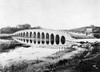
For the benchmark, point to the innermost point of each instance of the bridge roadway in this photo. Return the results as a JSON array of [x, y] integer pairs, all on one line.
[[87, 40]]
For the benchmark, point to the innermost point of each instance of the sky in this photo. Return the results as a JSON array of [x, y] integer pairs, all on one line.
[[50, 14]]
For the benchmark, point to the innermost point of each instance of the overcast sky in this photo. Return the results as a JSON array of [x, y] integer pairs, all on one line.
[[50, 14]]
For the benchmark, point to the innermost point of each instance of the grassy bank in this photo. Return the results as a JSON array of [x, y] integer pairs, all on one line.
[[66, 65], [72, 60], [47, 64], [8, 44]]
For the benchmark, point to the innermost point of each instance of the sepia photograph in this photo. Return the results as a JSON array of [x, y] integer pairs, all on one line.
[[49, 35]]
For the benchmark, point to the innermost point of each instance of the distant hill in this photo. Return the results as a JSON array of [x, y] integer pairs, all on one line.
[[95, 30], [81, 29]]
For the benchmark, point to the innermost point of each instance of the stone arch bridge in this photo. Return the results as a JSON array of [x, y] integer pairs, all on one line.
[[43, 38]]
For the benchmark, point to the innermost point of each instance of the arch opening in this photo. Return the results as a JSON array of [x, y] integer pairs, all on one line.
[[21, 34], [62, 39], [30, 34], [38, 37], [43, 37], [26, 34], [47, 38], [34, 36], [57, 39], [27, 40], [52, 39], [30, 41], [24, 40]]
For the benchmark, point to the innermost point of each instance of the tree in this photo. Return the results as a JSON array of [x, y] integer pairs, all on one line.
[[38, 27], [24, 26], [6, 30]]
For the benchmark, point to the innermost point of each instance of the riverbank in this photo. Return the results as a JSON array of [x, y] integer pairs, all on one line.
[[17, 58]]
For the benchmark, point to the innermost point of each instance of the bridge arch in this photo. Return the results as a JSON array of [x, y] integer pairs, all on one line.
[[42, 38], [34, 36], [57, 39], [26, 34], [30, 34], [38, 37], [52, 39], [23, 34], [47, 38], [63, 39]]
